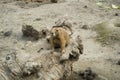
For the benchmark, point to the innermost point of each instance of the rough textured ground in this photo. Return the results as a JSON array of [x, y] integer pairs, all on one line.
[[102, 58]]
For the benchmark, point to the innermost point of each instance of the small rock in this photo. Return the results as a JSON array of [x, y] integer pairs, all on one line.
[[64, 57], [118, 62], [88, 74], [88, 71], [8, 33], [115, 71], [23, 48], [30, 68], [116, 14], [54, 1], [118, 52], [38, 19], [40, 50], [85, 27], [27, 30], [48, 39], [4, 2], [85, 6], [12, 64], [35, 32], [117, 24], [81, 73], [75, 23], [74, 56]]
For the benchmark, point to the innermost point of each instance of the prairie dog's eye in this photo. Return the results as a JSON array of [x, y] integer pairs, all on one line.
[[53, 34]]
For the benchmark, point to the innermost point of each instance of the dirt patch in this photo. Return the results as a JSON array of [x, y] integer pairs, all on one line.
[[107, 33]]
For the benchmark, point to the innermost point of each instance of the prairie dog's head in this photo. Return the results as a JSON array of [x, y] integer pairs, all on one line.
[[55, 32]]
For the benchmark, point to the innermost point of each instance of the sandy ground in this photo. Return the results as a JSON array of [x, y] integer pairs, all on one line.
[[101, 58]]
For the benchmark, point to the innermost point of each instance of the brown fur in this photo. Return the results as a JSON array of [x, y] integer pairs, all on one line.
[[59, 37]]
